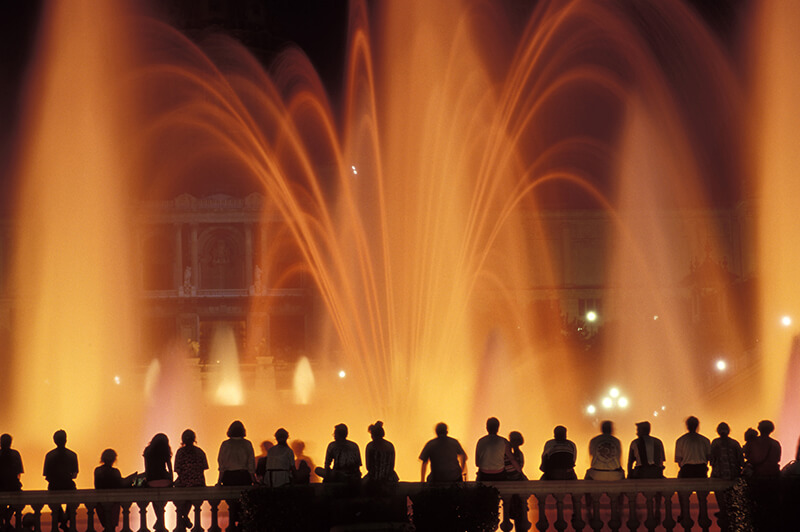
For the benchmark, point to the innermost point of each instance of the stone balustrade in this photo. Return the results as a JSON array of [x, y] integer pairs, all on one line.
[[555, 505]]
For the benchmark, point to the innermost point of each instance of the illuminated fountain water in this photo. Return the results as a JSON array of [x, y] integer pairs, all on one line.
[[418, 210]]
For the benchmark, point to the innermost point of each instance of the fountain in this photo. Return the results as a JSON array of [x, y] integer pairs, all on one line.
[[424, 209]]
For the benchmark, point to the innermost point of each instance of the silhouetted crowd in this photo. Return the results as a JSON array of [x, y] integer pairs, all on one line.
[[496, 459]]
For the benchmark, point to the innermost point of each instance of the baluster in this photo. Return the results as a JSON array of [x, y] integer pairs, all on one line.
[[669, 522], [37, 517], [541, 524], [702, 512], [178, 521], [197, 510], [685, 517], [633, 518], [54, 511], [214, 517], [577, 513], [506, 525], [17, 511], [560, 523], [651, 521], [143, 516], [89, 516], [615, 501], [126, 517], [593, 509]]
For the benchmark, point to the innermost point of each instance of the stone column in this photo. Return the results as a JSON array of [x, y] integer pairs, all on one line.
[[248, 254], [177, 261], [195, 260]]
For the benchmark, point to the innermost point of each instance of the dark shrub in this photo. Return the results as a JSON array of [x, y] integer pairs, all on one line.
[[458, 508]]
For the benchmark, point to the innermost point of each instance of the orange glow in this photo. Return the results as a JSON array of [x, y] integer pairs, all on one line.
[[418, 209]]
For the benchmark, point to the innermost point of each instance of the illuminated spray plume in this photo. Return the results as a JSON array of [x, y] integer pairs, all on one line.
[[418, 209]]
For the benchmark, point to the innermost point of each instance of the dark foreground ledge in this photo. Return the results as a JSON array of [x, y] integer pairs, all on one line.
[[554, 505]]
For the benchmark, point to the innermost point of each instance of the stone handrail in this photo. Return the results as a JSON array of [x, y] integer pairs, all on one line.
[[644, 498]]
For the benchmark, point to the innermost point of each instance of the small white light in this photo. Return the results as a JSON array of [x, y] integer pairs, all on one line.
[[655, 413], [623, 402], [116, 379], [663, 408], [786, 321], [655, 318], [591, 409], [614, 392], [342, 374], [721, 365], [591, 316], [607, 402], [355, 172]]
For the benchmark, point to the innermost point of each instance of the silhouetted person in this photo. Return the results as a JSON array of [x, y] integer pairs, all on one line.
[[605, 451], [261, 460], [764, 455], [237, 466], [515, 507], [446, 456], [342, 458], [158, 471], [379, 456], [558, 457], [280, 461], [490, 453], [727, 457], [749, 437], [646, 454], [108, 477], [190, 466], [303, 465], [727, 461], [61, 470], [10, 471], [692, 452]]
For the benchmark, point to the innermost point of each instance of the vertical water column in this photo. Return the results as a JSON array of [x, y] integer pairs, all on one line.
[[777, 110], [73, 263]]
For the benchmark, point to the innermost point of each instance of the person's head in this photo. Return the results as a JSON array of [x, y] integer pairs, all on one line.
[[765, 427], [298, 446], [377, 431], [492, 425], [60, 438], [188, 437], [340, 432], [236, 430], [441, 429], [723, 430], [5, 441], [266, 445], [692, 423], [643, 428], [560, 433], [750, 434], [606, 427], [108, 457], [515, 439], [281, 435]]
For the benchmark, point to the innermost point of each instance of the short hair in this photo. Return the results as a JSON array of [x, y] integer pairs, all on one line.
[[606, 427], [376, 430], [441, 429], [108, 457], [281, 435], [60, 438], [340, 431], [515, 439], [643, 428], [5, 441], [188, 437], [492, 425], [765, 427], [723, 429], [560, 432], [236, 430], [692, 423]]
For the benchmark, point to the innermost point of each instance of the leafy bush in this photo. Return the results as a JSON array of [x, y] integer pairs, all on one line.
[[281, 510]]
